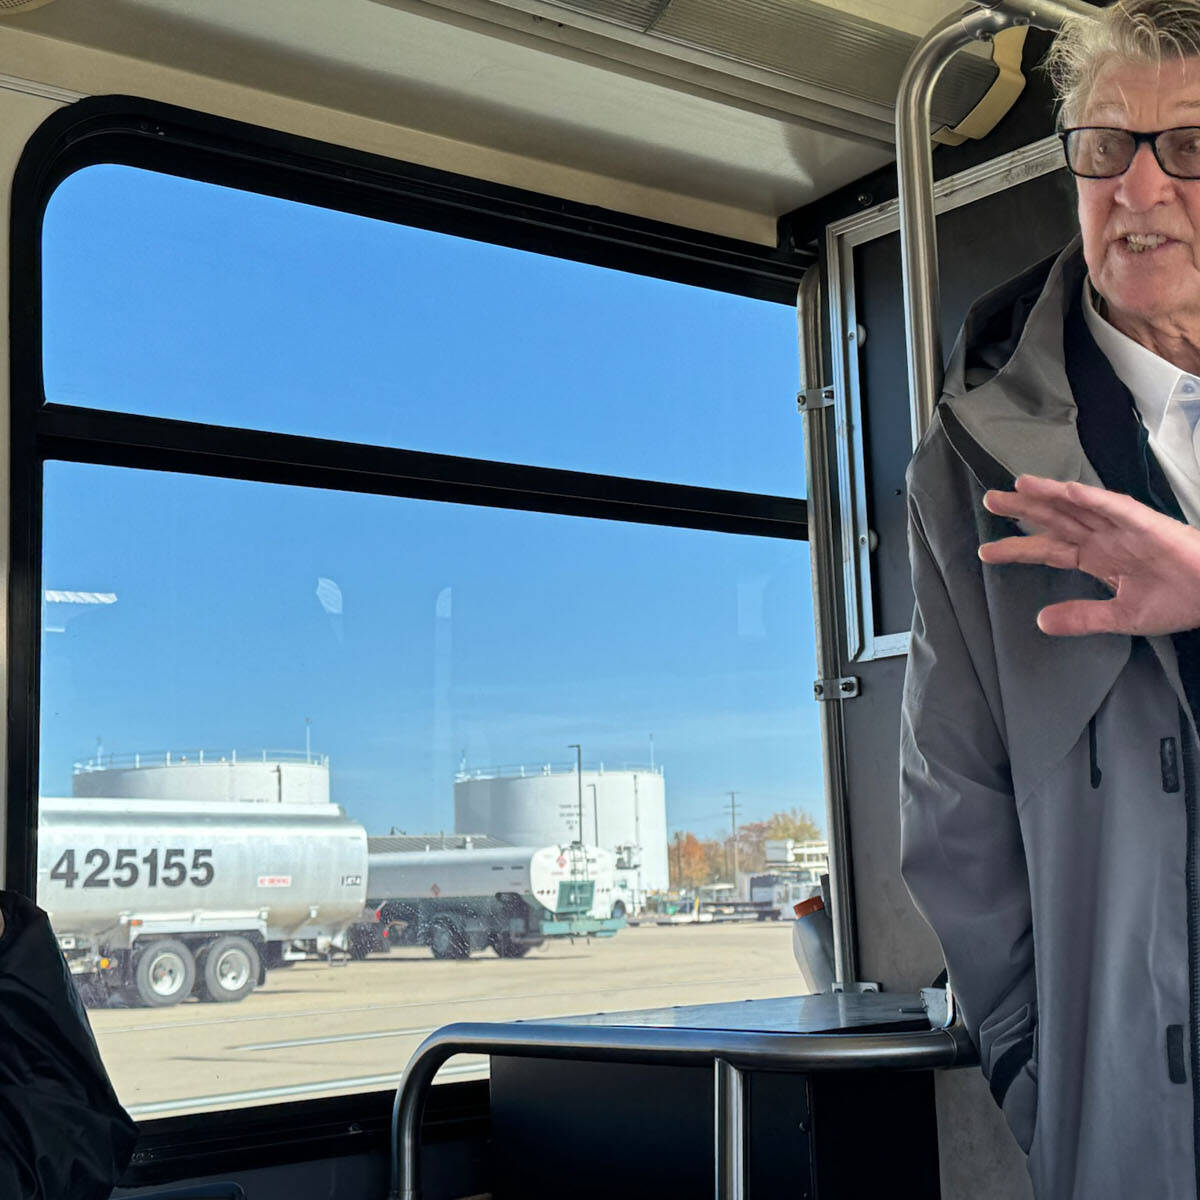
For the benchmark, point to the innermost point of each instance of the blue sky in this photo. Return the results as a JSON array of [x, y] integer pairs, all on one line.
[[180, 299]]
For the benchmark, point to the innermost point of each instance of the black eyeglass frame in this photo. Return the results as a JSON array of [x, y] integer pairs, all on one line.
[[1139, 139]]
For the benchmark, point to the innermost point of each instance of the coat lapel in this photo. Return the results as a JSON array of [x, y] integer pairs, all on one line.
[[1023, 420]]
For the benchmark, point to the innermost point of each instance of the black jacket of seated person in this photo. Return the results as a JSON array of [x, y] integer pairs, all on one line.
[[63, 1134]]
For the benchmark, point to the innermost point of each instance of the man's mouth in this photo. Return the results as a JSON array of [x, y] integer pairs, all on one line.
[[1139, 243]]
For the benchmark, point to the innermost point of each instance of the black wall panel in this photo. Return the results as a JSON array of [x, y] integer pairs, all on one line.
[[979, 246]]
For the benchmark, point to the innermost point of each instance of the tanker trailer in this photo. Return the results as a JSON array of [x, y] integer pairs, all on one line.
[[153, 900], [459, 901]]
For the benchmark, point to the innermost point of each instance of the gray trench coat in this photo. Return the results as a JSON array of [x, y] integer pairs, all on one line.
[[1045, 782]]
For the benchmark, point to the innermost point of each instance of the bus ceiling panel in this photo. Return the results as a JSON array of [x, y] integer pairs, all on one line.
[[826, 63], [670, 121]]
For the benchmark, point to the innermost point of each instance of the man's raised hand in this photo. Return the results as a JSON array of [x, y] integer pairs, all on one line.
[[1150, 561]]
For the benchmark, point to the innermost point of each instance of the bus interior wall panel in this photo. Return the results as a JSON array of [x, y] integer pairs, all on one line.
[[979, 1156]]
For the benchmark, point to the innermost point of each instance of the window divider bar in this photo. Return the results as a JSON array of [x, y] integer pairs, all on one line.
[[157, 443]]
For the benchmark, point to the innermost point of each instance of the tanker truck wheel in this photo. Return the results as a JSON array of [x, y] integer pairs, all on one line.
[[447, 940], [228, 970], [506, 947], [164, 974]]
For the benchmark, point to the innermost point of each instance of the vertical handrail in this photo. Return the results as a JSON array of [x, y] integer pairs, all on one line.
[[822, 545], [918, 228], [729, 1133], [914, 161]]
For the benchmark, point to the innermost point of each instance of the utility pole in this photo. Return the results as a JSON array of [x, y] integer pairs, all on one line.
[[679, 859], [733, 807]]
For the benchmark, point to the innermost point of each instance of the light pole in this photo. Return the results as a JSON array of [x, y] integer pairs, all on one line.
[[595, 815], [579, 782]]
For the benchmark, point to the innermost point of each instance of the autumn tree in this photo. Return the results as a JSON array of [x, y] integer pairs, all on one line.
[[793, 824], [708, 860], [716, 856], [688, 861]]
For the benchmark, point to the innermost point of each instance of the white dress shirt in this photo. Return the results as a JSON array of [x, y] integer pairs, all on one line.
[[1168, 400]]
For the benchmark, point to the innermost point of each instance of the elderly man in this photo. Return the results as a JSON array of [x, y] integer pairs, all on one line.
[[1051, 789]]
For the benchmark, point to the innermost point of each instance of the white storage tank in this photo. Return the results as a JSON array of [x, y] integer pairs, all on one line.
[[200, 776], [624, 811]]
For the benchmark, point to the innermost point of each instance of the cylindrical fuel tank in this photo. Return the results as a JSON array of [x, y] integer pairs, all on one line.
[[302, 865], [533, 806], [199, 776], [519, 870]]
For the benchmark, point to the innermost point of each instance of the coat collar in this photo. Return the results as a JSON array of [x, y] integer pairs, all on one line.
[[1023, 416]]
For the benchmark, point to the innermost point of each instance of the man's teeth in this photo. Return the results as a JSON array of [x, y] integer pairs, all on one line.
[[1137, 242]]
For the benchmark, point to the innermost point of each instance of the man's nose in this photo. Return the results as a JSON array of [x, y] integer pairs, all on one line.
[[1145, 184]]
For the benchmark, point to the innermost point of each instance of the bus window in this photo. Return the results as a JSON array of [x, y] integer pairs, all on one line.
[[323, 766]]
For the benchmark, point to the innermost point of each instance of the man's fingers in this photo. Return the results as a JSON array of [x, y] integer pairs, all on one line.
[[1094, 506], [1113, 506], [1077, 618], [1038, 548], [1059, 518]]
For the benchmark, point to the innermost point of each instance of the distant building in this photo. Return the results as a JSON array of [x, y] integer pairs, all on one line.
[[798, 864]]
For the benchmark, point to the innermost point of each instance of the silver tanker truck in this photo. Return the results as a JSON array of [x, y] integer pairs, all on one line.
[[511, 899], [154, 900]]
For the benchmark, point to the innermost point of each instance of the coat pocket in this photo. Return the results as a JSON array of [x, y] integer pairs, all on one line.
[[1007, 1046]]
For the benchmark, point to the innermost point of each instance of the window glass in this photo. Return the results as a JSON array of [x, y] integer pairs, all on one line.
[[174, 298], [242, 681]]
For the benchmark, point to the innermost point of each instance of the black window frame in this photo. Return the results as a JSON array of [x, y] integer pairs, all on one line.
[[139, 133]]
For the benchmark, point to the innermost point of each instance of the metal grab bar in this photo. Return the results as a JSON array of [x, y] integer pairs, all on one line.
[[728, 1051], [914, 161]]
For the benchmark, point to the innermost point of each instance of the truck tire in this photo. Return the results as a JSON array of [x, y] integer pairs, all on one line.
[[360, 941], [228, 970], [164, 973], [507, 947], [447, 939]]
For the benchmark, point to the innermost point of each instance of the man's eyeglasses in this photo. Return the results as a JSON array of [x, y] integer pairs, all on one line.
[[1097, 152]]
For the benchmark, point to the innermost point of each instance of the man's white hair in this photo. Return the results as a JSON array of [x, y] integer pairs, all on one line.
[[1146, 32]]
